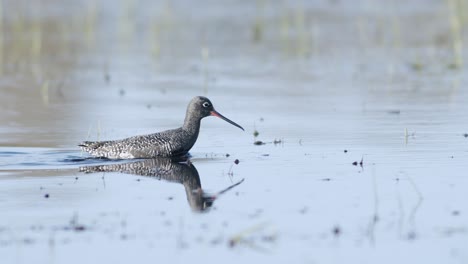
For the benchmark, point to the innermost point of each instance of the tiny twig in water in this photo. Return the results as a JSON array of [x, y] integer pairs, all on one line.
[[375, 215], [412, 215], [241, 236]]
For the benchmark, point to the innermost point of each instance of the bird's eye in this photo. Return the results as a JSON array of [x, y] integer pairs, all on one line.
[[206, 104]]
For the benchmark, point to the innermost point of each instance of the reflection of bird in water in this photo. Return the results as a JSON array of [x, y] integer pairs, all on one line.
[[170, 143], [170, 170]]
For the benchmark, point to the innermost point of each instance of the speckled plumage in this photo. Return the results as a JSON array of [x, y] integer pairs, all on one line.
[[169, 143]]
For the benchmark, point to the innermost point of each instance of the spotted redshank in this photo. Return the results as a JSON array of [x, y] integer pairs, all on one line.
[[169, 143]]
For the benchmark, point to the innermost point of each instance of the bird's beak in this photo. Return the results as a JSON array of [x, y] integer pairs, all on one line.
[[215, 113]]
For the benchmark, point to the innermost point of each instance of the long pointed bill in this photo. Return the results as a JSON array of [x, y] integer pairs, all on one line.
[[215, 113]]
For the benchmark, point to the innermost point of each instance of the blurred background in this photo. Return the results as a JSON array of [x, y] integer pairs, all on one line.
[[71, 68]]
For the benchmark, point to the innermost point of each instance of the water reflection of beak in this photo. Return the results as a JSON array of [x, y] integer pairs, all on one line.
[[217, 114]]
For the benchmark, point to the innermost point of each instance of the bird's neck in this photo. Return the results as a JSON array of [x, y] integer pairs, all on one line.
[[191, 124]]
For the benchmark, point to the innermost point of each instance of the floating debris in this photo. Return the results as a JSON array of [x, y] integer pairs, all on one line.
[[277, 141], [411, 235], [28, 241], [345, 151], [454, 230], [74, 225], [255, 133], [361, 163], [417, 66], [107, 77], [465, 135], [236, 161], [394, 112], [46, 195], [375, 218], [336, 231], [453, 66], [304, 210], [79, 228]]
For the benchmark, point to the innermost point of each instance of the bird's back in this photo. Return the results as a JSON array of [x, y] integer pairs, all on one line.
[[164, 144]]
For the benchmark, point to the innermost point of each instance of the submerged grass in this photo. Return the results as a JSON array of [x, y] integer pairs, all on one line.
[[455, 9], [45, 92], [247, 237], [258, 27], [298, 33]]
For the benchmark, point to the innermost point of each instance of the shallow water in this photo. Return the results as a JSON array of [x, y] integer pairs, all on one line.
[[324, 83]]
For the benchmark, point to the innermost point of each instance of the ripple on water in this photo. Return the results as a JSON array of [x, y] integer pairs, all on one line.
[[11, 153], [40, 158]]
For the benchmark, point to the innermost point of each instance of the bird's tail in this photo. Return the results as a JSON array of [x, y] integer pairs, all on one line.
[[89, 145]]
